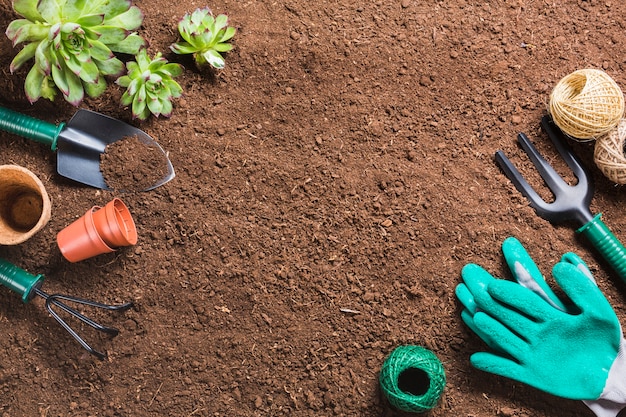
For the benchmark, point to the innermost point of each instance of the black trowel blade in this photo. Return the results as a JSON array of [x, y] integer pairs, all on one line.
[[84, 139]]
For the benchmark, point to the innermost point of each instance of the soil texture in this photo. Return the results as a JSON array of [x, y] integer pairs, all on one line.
[[331, 182], [130, 164]]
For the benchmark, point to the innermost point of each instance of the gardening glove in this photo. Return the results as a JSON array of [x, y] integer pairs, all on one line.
[[574, 351], [524, 271]]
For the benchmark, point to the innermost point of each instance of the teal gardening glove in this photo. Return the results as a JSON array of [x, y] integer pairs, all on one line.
[[573, 350]]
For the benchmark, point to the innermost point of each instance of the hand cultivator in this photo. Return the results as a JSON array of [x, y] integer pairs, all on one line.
[[571, 203], [28, 286]]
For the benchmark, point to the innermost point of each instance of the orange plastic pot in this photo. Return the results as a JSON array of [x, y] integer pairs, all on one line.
[[24, 204], [115, 224], [100, 230]]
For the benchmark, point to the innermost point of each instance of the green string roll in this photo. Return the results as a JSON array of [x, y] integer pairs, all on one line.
[[412, 378]]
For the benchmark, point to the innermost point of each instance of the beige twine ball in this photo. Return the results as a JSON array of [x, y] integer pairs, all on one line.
[[609, 154], [586, 104]]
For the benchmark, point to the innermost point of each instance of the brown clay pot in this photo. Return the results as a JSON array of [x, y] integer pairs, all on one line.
[[24, 204]]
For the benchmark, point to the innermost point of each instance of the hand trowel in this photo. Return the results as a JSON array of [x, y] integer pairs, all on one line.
[[80, 142]]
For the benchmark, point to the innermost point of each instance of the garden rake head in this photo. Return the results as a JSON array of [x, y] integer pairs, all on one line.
[[571, 202], [28, 286], [59, 300]]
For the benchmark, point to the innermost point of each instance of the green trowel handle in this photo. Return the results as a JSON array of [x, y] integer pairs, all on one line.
[[30, 128], [607, 244], [19, 280]]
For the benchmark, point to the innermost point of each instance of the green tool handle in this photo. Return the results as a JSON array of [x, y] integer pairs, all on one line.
[[30, 128], [19, 280], [607, 244]]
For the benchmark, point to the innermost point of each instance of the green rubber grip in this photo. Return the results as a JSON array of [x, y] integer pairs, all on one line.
[[19, 280], [30, 128], [607, 244]]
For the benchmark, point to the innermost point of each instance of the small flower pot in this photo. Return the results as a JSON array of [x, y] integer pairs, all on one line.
[[115, 224], [24, 204], [100, 230]]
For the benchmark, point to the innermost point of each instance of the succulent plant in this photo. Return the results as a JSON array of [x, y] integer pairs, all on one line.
[[73, 44], [150, 85], [205, 37]]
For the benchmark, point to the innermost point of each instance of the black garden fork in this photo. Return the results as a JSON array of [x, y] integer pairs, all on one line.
[[571, 202]]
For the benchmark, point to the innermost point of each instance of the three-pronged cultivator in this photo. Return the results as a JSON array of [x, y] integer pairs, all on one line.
[[28, 286], [571, 202]]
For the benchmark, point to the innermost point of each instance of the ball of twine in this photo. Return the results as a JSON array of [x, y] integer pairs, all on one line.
[[609, 154], [412, 379], [586, 104]]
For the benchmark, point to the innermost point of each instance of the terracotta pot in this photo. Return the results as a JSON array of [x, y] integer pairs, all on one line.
[[98, 231], [24, 204], [115, 224]]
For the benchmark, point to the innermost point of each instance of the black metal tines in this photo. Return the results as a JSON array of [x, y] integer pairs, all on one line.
[[59, 300]]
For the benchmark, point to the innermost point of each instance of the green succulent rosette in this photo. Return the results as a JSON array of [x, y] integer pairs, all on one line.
[[150, 85], [204, 36], [73, 44]]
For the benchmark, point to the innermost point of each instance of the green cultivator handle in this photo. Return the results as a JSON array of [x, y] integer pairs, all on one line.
[[28, 286], [607, 244], [30, 128], [19, 280]]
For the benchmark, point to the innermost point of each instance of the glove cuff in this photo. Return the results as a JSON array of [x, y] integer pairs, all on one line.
[[604, 408], [613, 397]]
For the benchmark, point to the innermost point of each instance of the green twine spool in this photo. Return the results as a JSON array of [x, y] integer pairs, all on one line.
[[412, 378]]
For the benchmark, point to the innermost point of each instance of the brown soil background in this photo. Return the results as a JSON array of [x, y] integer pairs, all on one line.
[[342, 159], [130, 165]]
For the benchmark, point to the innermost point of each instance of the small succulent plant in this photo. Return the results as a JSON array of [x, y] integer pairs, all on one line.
[[73, 44], [205, 36], [150, 85]]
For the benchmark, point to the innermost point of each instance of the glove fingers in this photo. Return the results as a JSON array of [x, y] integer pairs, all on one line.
[[498, 365], [476, 280], [520, 298], [466, 298], [527, 273], [517, 323], [498, 336], [468, 319], [515, 253], [584, 293], [576, 260]]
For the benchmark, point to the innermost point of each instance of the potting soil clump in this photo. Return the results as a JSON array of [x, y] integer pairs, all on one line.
[[132, 165]]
